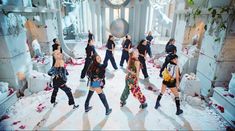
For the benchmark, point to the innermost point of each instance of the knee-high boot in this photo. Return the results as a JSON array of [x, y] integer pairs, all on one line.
[[158, 101], [104, 101], [87, 108], [178, 110]]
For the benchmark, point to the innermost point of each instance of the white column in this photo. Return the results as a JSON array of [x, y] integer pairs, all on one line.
[[111, 17], [82, 16], [137, 21], [85, 23], [99, 26], [147, 20], [89, 11], [143, 18], [151, 17], [93, 19], [122, 12], [103, 23], [131, 23]]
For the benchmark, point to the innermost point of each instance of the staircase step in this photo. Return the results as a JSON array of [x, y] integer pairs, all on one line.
[[7, 102], [226, 115], [226, 101]]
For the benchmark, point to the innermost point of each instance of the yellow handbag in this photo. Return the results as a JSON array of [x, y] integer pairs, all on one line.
[[166, 75]]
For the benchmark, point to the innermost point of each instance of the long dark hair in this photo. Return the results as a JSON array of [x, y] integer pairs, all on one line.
[[88, 42], [172, 57], [168, 43], [140, 43], [54, 40], [94, 66], [109, 40]]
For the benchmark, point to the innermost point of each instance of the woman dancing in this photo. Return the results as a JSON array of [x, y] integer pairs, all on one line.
[[110, 52], [132, 79], [58, 72], [171, 80], [142, 48], [90, 51], [96, 73]]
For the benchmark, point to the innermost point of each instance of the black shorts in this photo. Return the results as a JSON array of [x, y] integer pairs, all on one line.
[[170, 84]]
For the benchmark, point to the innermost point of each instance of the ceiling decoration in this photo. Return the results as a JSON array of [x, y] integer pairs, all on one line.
[[117, 3], [119, 28]]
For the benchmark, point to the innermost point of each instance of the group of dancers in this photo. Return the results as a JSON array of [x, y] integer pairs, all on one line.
[[94, 69]]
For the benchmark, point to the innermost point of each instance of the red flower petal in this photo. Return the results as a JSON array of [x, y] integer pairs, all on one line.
[[4, 117], [15, 123], [22, 127]]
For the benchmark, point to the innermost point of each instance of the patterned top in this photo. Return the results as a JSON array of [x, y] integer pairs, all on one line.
[[172, 69]]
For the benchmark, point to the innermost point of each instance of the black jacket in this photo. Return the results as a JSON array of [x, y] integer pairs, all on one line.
[[170, 48], [55, 47], [59, 75], [99, 73]]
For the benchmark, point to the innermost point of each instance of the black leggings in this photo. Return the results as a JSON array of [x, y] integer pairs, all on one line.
[[144, 67]]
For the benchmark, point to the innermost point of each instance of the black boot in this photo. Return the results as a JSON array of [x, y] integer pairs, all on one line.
[[87, 107], [54, 104], [178, 110], [104, 101], [75, 106], [122, 103], [158, 101], [144, 105]]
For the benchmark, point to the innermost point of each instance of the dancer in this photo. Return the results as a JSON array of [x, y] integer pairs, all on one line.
[[90, 35], [56, 46], [149, 38], [125, 52], [132, 79], [96, 72], [90, 51], [142, 57], [110, 52], [171, 80], [170, 49], [170, 46], [58, 72]]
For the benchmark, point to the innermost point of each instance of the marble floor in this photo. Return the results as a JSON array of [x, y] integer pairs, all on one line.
[[129, 117]]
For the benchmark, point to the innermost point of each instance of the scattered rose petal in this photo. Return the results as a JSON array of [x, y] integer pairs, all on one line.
[[150, 88], [16, 122], [231, 95], [221, 108], [22, 127], [4, 117], [48, 88], [11, 91]]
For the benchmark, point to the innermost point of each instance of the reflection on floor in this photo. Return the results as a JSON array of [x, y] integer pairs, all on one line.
[[129, 117]]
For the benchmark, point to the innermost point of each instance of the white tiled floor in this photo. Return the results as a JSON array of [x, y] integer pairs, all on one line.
[[129, 117]]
